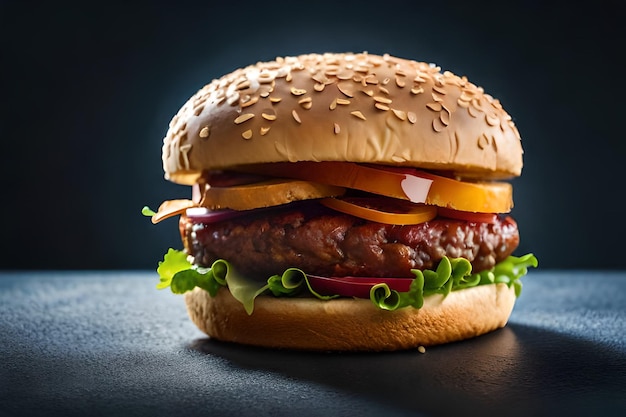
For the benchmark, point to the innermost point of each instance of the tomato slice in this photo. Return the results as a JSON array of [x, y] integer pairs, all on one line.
[[402, 183], [480, 197], [358, 287], [382, 210], [483, 197], [351, 175], [468, 216]]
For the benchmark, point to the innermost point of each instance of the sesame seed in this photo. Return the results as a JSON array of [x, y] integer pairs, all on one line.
[[371, 79], [343, 101], [437, 97], [358, 114], [439, 90], [243, 118], [434, 106], [319, 87], [296, 116], [265, 77], [466, 95], [306, 103], [483, 141], [297, 91], [275, 99], [243, 85], [346, 88], [204, 132], [399, 114], [380, 99], [492, 119], [198, 110], [412, 117], [421, 349], [247, 134], [438, 126], [381, 106], [444, 115], [320, 78], [220, 99], [268, 116], [264, 130], [345, 75], [473, 111], [336, 128]]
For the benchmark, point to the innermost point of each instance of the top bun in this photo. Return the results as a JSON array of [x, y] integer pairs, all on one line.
[[343, 107]]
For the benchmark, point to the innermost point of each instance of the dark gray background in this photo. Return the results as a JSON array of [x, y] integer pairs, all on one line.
[[87, 93]]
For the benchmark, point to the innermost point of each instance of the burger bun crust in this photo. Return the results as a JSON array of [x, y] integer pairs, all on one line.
[[360, 108], [347, 324]]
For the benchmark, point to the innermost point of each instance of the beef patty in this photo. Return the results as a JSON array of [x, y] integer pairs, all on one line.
[[324, 242]]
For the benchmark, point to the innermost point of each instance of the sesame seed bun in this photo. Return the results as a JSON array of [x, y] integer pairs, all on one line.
[[351, 324], [342, 107]]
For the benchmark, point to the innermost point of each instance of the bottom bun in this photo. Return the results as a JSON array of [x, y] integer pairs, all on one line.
[[347, 324]]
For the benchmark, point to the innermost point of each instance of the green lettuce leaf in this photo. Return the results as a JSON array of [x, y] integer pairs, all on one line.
[[509, 272], [243, 290], [452, 274], [291, 282], [147, 211], [176, 272]]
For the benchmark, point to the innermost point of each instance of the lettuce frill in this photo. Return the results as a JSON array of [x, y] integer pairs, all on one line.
[[452, 274]]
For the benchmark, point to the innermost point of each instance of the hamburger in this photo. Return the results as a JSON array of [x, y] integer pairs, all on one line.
[[343, 202]]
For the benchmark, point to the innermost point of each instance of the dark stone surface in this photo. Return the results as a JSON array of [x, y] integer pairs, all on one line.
[[109, 343]]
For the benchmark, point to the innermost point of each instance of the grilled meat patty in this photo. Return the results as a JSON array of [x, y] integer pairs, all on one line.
[[324, 242]]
